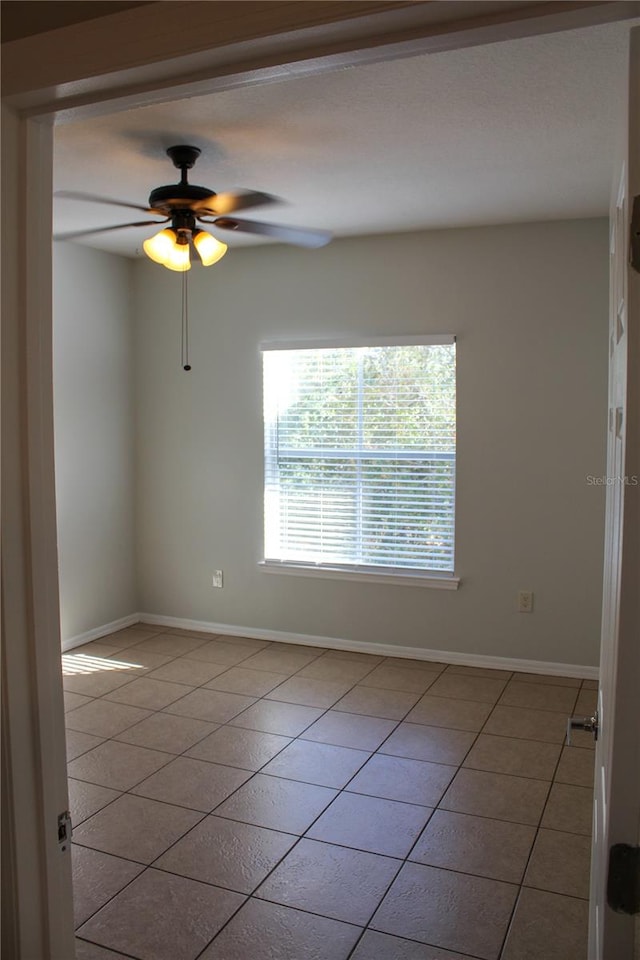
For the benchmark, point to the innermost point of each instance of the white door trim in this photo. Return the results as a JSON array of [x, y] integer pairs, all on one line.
[[617, 787], [32, 703], [624, 795], [165, 51]]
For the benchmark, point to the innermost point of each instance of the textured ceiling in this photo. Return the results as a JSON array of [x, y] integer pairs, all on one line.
[[514, 131]]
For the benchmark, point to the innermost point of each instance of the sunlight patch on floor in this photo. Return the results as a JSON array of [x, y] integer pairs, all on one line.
[[82, 663]]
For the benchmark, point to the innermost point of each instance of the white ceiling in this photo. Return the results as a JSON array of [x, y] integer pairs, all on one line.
[[513, 131]]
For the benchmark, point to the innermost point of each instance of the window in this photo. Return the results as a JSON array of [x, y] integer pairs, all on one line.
[[360, 456]]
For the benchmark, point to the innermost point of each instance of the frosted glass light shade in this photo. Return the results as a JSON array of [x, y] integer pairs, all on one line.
[[159, 246], [209, 249], [178, 258], [164, 248]]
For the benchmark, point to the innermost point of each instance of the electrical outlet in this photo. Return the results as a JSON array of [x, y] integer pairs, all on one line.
[[216, 580], [525, 601]]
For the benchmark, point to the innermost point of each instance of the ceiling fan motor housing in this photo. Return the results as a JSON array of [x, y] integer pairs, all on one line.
[[179, 196]]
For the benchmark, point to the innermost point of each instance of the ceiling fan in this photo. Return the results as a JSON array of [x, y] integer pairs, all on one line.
[[185, 205]]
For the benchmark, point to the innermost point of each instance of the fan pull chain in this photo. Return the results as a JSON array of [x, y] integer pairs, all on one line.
[[185, 324]]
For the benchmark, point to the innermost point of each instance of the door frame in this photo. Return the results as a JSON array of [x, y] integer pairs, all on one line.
[[65, 75], [33, 748], [618, 750]]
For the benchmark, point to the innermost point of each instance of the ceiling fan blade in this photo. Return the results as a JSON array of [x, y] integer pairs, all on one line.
[[298, 236], [94, 198], [119, 226], [229, 202]]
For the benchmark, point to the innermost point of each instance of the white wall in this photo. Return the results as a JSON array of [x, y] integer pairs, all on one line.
[[94, 437], [528, 304]]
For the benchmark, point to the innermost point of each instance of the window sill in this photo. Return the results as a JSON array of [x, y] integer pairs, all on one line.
[[434, 581]]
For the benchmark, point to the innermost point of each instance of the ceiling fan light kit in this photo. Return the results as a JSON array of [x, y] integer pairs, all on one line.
[[164, 248], [170, 247]]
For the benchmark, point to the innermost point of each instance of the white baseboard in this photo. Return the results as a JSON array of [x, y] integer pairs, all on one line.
[[338, 643], [100, 631], [382, 649]]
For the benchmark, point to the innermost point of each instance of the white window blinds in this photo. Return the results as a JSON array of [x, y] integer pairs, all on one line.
[[360, 455]]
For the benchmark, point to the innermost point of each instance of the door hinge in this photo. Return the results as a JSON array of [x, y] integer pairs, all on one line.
[[634, 238], [623, 880], [65, 829]]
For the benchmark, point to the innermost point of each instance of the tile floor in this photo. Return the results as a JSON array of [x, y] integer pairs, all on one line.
[[234, 799]]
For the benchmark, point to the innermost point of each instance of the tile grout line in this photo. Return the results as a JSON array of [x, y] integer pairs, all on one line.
[[129, 956], [412, 847], [127, 792], [521, 887], [300, 737], [150, 865], [403, 860], [438, 807]]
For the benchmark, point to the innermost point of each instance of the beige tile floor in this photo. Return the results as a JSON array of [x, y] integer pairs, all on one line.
[[234, 799]]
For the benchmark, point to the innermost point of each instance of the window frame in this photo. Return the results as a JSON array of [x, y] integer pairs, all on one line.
[[406, 576]]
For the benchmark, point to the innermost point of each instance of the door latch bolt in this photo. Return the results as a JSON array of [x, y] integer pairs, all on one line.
[[65, 830], [590, 724]]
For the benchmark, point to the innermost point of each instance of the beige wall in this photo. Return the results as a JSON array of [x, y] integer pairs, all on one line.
[[94, 437], [528, 304]]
